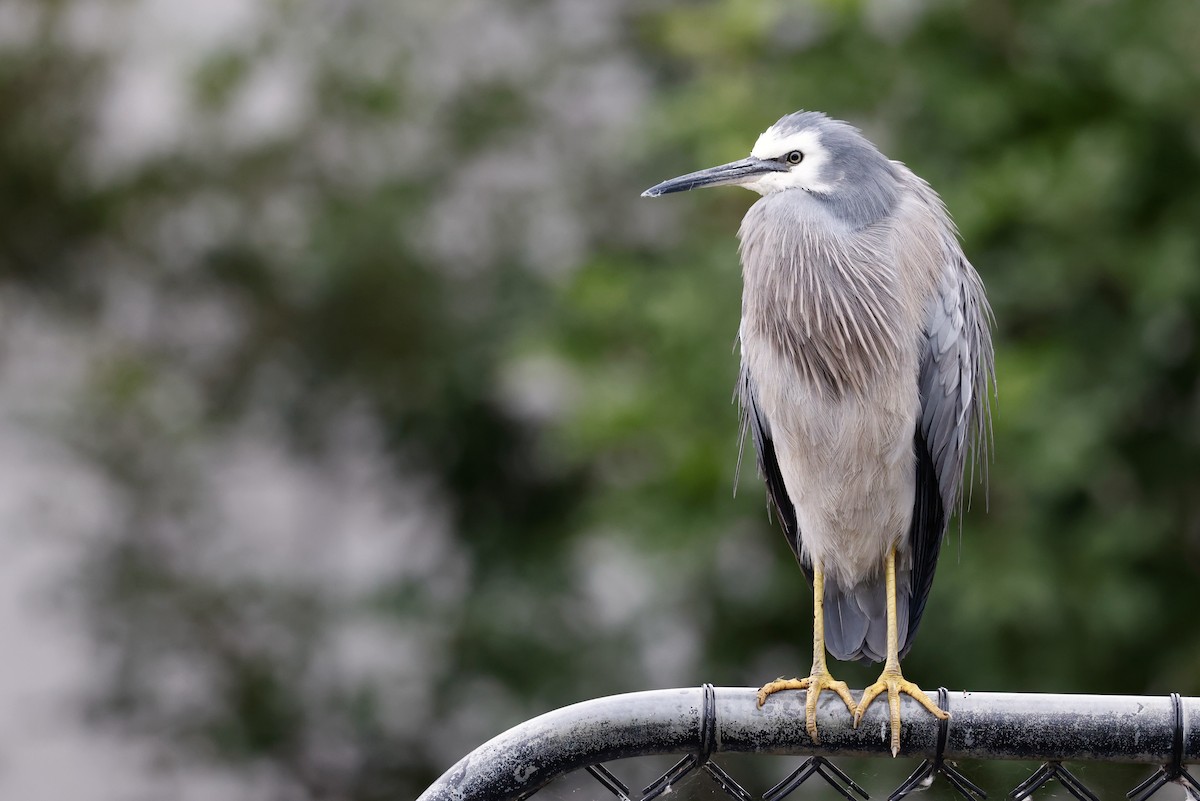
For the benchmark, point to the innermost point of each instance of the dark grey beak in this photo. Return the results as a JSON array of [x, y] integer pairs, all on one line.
[[735, 172]]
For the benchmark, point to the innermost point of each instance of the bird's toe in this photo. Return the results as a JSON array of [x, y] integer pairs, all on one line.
[[813, 684], [893, 683]]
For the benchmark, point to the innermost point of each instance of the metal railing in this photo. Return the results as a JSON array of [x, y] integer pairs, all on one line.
[[700, 722]]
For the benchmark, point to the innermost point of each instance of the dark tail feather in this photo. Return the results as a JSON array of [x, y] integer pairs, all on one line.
[[856, 619]]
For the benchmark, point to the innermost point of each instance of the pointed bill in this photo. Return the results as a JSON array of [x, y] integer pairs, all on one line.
[[734, 173]]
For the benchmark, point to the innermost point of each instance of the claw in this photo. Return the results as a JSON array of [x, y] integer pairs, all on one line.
[[814, 684]]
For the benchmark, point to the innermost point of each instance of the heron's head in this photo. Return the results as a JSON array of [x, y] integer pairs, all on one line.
[[804, 151]]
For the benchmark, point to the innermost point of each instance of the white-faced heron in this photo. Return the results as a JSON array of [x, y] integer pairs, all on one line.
[[866, 363]]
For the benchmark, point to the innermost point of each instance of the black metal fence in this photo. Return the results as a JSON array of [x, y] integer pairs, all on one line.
[[697, 723]]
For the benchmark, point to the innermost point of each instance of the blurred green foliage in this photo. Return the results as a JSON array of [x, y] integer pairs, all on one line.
[[545, 360]]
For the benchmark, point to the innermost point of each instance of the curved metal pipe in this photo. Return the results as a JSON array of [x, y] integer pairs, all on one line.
[[704, 720]]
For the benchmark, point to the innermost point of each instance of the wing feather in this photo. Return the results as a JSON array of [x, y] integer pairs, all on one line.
[[956, 375]]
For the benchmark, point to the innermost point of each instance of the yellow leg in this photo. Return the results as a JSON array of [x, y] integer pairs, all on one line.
[[892, 681], [819, 679]]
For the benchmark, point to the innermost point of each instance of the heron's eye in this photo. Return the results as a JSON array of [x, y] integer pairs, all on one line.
[[795, 157]]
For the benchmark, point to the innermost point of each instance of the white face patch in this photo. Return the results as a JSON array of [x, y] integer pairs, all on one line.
[[805, 175]]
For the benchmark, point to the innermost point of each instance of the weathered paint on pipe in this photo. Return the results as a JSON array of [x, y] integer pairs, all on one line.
[[1023, 726]]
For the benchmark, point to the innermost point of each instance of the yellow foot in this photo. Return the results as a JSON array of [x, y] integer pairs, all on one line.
[[894, 683], [814, 684]]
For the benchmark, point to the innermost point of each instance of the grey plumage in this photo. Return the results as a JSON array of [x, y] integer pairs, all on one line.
[[866, 364]]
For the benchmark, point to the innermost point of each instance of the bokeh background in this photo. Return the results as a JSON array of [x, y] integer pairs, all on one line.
[[354, 407]]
